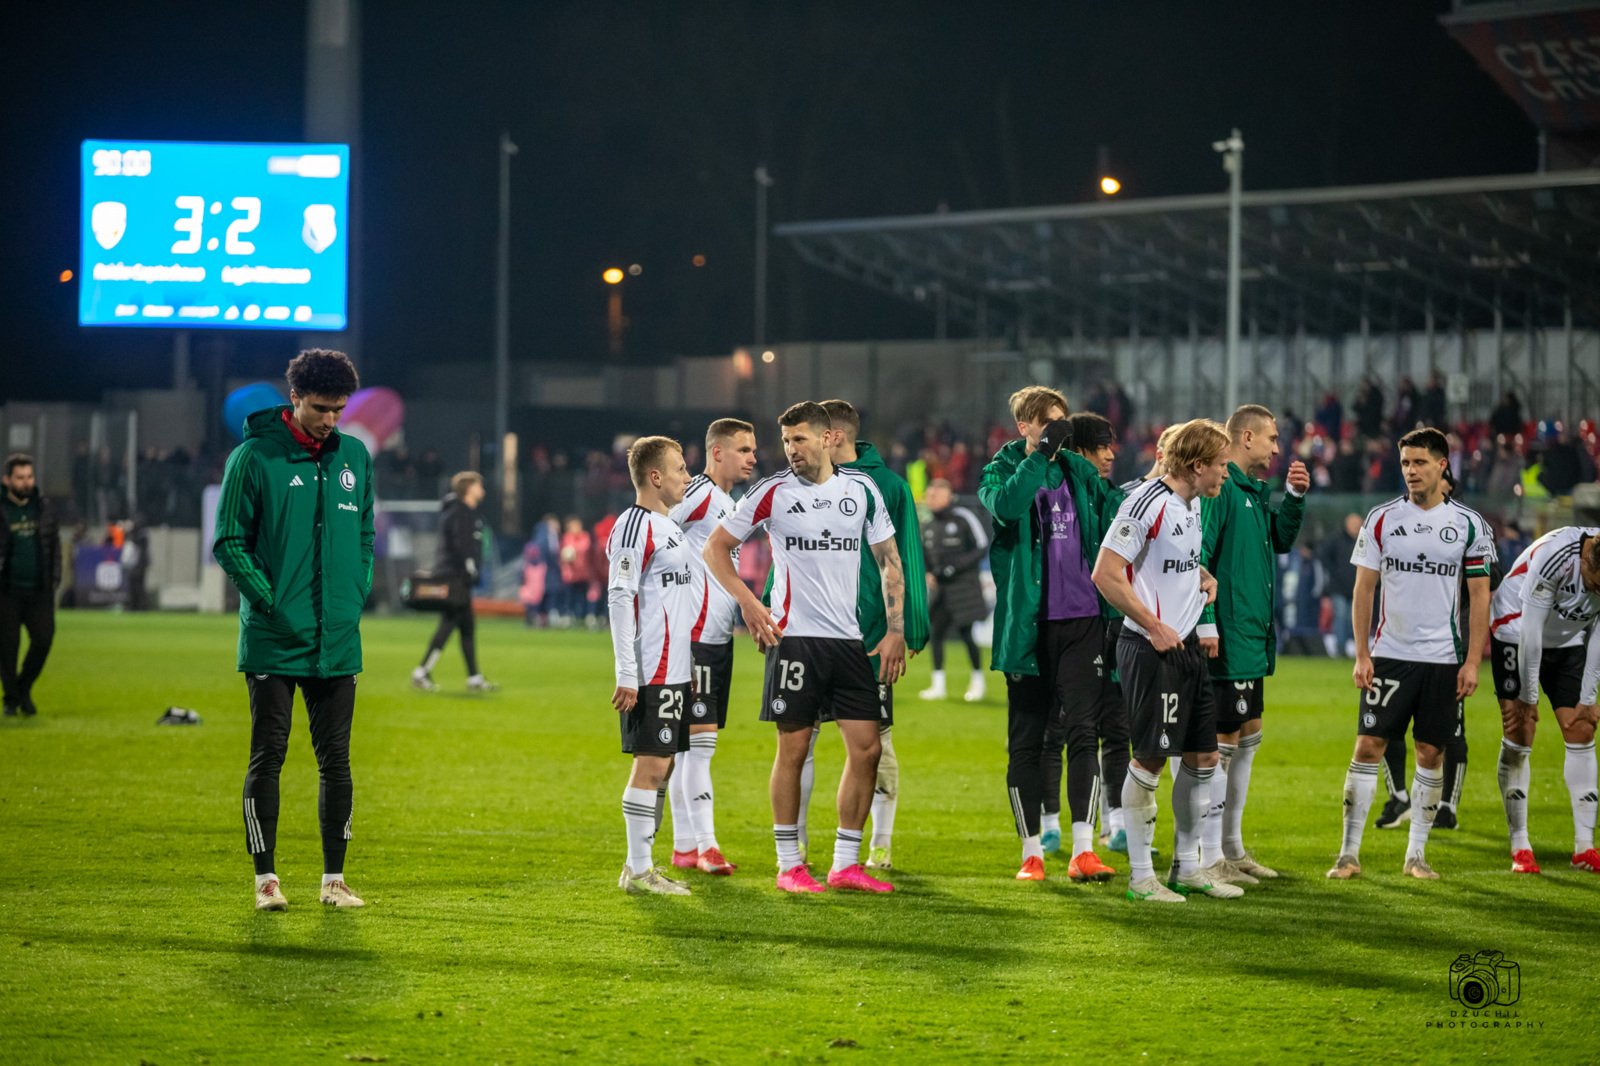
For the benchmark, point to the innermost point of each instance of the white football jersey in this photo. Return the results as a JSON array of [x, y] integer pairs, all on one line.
[[1159, 535], [816, 533], [1420, 557], [651, 564], [1546, 575], [704, 505]]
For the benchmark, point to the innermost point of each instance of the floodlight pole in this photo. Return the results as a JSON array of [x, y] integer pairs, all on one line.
[[502, 323], [1232, 151], [763, 183]]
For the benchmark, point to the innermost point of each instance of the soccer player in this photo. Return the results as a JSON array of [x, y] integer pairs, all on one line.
[[1543, 637], [460, 549], [953, 546], [1416, 670], [1046, 501], [652, 603], [30, 570], [1244, 533], [816, 519], [294, 531], [1149, 569], [730, 457]]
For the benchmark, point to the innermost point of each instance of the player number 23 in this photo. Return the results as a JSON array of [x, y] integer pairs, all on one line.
[[671, 704], [791, 675]]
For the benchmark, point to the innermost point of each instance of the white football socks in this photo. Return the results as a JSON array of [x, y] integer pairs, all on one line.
[[328, 879], [1191, 798], [1580, 772], [683, 836], [1238, 790], [1049, 821], [1139, 805], [1360, 786], [1426, 788], [787, 840], [262, 879], [697, 787], [1082, 837], [846, 849], [639, 814], [885, 791], [1211, 826], [808, 780], [1513, 775]]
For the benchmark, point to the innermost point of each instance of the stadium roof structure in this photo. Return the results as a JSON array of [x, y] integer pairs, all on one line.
[[1510, 251]]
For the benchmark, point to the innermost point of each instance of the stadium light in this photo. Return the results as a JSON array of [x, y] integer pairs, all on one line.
[[1110, 186], [612, 276], [66, 276], [768, 356]]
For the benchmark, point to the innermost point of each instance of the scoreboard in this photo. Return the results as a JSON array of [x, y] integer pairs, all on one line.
[[228, 236]]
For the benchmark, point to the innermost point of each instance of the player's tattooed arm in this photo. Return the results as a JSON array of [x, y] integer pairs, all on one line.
[[891, 650], [894, 584]]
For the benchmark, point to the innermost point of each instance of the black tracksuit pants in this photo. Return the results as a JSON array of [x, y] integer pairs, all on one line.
[[330, 706], [34, 611]]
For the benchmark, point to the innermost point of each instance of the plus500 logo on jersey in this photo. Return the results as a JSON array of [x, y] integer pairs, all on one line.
[[1421, 566], [827, 542], [676, 577], [1179, 566]]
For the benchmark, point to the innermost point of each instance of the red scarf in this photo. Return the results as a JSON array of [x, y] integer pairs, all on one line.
[[312, 445]]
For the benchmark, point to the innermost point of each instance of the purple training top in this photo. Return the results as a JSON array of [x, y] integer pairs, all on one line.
[[1068, 590]]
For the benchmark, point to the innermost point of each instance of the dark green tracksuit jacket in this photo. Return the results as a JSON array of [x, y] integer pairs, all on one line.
[[295, 534], [1244, 533], [1010, 484]]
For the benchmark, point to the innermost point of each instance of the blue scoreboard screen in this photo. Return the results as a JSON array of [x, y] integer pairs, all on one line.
[[227, 236]]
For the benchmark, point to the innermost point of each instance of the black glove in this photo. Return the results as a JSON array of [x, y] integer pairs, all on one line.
[[1056, 435]]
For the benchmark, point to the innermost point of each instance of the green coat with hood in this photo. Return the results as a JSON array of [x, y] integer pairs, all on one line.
[[295, 534], [1010, 483], [1244, 533]]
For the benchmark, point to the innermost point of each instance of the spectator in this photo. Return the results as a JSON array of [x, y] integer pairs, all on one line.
[[1334, 553], [1431, 408], [1346, 470], [1565, 464], [575, 569], [1506, 419], [1330, 416], [1368, 409], [1505, 470], [1300, 605], [531, 592], [1406, 402]]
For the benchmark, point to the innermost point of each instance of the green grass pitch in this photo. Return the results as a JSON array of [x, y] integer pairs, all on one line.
[[488, 840]]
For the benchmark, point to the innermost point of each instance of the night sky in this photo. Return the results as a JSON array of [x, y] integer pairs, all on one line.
[[640, 125]]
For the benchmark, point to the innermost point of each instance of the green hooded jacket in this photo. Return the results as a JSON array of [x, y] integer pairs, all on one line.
[[907, 540], [1244, 533], [1010, 483], [295, 535]]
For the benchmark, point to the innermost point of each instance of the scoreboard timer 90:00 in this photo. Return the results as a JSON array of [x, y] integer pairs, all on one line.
[[201, 235]]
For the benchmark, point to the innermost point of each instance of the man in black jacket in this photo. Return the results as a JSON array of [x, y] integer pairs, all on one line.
[[30, 570], [954, 544], [460, 548]]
